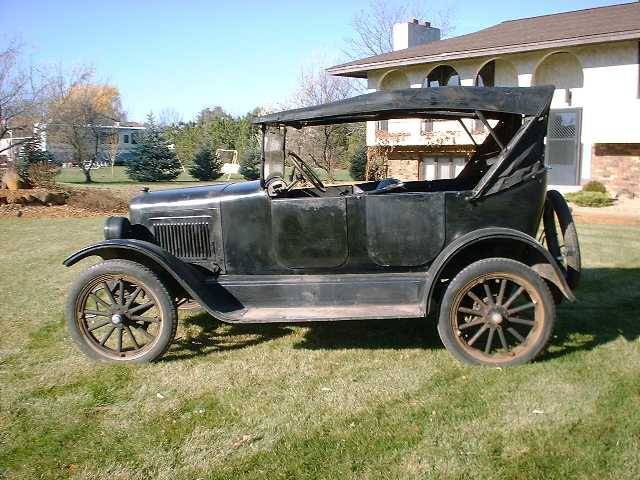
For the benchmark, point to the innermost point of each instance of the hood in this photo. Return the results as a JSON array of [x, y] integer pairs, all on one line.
[[173, 201]]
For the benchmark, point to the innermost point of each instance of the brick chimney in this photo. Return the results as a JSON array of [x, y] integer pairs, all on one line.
[[412, 33]]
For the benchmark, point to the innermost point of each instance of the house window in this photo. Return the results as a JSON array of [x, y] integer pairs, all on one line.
[[125, 138], [382, 125], [441, 167]]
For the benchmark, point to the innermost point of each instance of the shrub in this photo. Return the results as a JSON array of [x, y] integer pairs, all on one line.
[[590, 199], [206, 165], [153, 161], [42, 174], [358, 164], [35, 166], [594, 186]]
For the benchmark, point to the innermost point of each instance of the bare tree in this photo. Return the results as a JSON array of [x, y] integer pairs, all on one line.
[[169, 117], [373, 26], [21, 98], [325, 145], [80, 110], [111, 148]]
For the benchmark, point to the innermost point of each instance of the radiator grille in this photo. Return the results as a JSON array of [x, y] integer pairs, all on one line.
[[184, 237]]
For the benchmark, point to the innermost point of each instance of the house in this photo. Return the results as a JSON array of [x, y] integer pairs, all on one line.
[[592, 56], [123, 134]]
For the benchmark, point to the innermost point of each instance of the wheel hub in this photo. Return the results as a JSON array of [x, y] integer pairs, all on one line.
[[116, 318], [495, 317]]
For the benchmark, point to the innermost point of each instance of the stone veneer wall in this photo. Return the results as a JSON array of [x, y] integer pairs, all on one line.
[[617, 165]]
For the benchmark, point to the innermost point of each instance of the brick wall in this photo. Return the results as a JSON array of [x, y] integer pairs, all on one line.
[[403, 169], [403, 162], [617, 165]]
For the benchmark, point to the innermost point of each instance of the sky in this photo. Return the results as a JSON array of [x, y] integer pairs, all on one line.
[[187, 55]]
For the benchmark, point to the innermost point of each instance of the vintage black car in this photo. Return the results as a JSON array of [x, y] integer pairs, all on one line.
[[286, 248]]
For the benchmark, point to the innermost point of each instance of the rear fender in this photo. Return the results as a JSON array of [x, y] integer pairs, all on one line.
[[182, 278], [483, 243]]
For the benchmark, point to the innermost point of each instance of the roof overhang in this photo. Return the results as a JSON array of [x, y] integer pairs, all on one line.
[[360, 69]]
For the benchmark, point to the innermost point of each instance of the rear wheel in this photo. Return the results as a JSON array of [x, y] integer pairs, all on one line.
[[561, 237], [120, 311], [496, 312]]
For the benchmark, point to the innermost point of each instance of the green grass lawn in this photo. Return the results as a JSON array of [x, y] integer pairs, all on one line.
[[351, 400], [105, 178]]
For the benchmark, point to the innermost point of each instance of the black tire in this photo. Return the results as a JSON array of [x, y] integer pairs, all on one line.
[[122, 308], [568, 252], [496, 314]]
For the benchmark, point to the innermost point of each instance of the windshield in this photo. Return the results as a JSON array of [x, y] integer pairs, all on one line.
[[274, 151]]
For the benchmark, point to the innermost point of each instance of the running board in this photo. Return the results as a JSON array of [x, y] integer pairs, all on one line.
[[324, 314], [316, 298]]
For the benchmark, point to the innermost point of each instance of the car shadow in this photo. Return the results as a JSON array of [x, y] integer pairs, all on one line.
[[396, 333], [215, 336], [607, 309]]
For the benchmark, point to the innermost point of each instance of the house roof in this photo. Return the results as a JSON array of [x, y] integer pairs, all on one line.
[[442, 102], [593, 25]]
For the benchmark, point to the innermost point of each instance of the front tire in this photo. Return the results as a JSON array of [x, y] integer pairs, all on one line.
[[496, 312], [120, 311]]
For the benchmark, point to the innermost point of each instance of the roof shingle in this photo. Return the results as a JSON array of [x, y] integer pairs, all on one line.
[[593, 25]]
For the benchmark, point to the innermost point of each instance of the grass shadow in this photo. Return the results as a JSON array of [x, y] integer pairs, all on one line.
[[607, 309], [372, 334], [215, 336]]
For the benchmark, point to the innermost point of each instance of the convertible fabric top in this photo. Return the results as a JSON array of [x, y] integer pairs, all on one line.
[[442, 102]]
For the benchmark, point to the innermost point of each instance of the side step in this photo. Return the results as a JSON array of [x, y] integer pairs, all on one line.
[[316, 298], [323, 314]]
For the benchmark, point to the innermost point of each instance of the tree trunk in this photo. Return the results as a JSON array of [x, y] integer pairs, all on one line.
[[87, 175]]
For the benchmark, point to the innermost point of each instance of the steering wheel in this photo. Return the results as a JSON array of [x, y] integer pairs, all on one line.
[[306, 172]]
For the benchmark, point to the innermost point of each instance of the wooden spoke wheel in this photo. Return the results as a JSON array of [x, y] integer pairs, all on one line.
[[120, 311], [496, 312]]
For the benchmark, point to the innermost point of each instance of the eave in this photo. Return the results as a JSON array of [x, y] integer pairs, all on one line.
[[360, 70]]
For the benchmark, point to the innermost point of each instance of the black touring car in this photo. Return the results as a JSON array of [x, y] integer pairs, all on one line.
[[489, 253]]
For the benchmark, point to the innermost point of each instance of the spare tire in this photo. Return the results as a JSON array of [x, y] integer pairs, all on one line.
[[562, 242]]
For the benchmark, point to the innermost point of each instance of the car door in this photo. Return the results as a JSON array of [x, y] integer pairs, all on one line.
[[310, 233], [404, 229]]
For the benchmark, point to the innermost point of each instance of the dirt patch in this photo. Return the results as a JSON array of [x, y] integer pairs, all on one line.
[[38, 211], [76, 202], [34, 196], [97, 200]]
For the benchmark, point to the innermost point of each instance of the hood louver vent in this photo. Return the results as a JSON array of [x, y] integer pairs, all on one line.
[[184, 237]]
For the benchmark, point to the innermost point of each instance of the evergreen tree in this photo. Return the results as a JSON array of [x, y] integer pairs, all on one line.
[[153, 161], [251, 161], [206, 164], [358, 164]]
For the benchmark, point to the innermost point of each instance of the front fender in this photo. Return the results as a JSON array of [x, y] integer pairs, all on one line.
[[186, 276], [543, 263]]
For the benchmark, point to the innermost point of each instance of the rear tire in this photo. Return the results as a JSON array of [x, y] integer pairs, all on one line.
[[563, 245], [120, 311], [496, 312]]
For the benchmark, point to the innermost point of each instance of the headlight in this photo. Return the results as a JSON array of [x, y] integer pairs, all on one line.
[[117, 227]]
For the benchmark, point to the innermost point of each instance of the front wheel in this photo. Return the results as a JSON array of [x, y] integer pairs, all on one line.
[[496, 312], [120, 311]]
